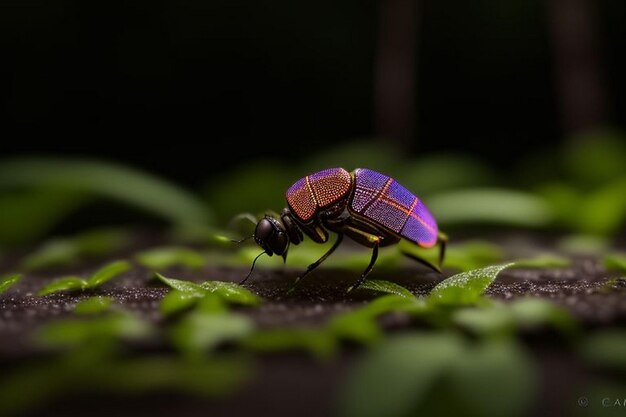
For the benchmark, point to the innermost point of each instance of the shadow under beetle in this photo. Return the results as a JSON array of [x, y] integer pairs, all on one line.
[[369, 207]]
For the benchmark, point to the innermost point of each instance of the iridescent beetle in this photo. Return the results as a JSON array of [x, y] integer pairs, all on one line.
[[367, 206]]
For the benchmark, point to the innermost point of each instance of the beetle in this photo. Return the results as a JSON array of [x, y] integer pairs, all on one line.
[[371, 208]]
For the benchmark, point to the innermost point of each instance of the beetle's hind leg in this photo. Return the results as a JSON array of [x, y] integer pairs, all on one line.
[[442, 240], [368, 269], [421, 261], [318, 262]]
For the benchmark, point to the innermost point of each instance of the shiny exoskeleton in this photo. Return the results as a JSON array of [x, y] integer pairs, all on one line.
[[367, 206]]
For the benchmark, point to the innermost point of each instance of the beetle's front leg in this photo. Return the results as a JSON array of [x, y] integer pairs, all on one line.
[[318, 262]]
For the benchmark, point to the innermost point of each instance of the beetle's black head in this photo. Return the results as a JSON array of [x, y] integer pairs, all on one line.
[[271, 235]]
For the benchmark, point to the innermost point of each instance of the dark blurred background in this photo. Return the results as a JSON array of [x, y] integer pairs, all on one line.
[[162, 85]]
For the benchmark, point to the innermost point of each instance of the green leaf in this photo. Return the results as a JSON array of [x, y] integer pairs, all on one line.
[[70, 283], [239, 188], [490, 206], [494, 379], [176, 301], [438, 172], [533, 312], [361, 326], [543, 261], [93, 305], [73, 333], [28, 388], [615, 261], [181, 285], [584, 244], [98, 278], [7, 281], [215, 377], [604, 210], [28, 214], [231, 292], [493, 320], [605, 349], [162, 258], [466, 287], [72, 250], [101, 241], [395, 377], [108, 180], [54, 253], [386, 287], [439, 374], [200, 332], [228, 291], [596, 157], [107, 273], [318, 342]]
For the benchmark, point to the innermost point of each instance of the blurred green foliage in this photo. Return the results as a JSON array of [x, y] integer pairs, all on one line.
[[8, 280], [440, 374], [39, 192], [579, 189]]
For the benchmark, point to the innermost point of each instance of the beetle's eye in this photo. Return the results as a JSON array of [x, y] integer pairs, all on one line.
[[264, 229]]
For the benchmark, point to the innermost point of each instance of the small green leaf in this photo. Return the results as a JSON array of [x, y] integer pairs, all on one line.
[[495, 378], [218, 376], [491, 206], [318, 342], [615, 261], [231, 292], [93, 305], [466, 287], [54, 253], [163, 258], [394, 378], [98, 278], [101, 241], [107, 273], [544, 261], [533, 312], [228, 291], [181, 285], [72, 250], [176, 301], [70, 283], [493, 320], [200, 332], [28, 214], [584, 244], [7, 281], [605, 349], [386, 287], [73, 333], [361, 325]]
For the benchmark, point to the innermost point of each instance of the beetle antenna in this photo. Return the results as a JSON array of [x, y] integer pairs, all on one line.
[[252, 268], [242, 240], [238, 218]]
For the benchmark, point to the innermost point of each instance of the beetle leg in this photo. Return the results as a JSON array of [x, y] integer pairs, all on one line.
[[368, 269], [442, 239], [318, 262], [422, 261]]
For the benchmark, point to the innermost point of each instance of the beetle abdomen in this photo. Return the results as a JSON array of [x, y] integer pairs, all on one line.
[[316, 191], [384, 201]]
